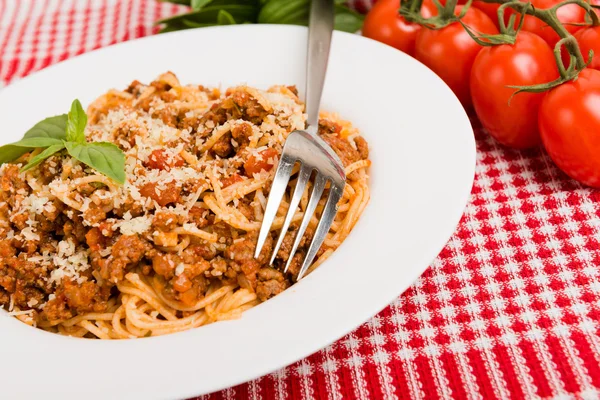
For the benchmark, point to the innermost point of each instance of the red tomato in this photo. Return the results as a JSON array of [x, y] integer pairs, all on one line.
[[528, 62], [263, 161], [490, 9], [450, 51], [589, 39], [569, 122], [160, 159], [568, 14], [384, 24]]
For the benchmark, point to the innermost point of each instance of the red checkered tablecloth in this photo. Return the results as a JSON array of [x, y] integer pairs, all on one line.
[[509, 309]]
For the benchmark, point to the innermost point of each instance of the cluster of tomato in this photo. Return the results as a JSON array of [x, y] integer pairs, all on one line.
[[565, 119]]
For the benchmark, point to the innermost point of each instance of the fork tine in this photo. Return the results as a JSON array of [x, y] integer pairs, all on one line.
[[280, 181], [324, 224], [303, 178], [310, 210]]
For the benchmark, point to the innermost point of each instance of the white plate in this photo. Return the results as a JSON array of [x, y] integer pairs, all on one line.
[[423, 154]]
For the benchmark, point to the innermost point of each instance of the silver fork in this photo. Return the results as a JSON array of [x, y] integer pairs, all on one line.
[[308, 149]]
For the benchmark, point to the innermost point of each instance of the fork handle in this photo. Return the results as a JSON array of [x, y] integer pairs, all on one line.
[[320, 30]]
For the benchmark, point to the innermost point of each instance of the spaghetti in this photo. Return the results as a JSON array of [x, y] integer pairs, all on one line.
[[172, 248]]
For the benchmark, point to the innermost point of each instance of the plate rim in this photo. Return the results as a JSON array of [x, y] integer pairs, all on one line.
[[15, 86]]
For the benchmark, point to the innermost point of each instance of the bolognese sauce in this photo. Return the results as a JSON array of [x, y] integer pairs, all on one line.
[[172, 248]]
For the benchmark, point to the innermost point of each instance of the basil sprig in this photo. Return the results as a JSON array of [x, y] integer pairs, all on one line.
[[67, 131], [205, 13]]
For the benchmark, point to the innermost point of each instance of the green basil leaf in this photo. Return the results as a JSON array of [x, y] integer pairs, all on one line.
[[198, 4], [45, 133], [42, 156], [35, 142], [53, 127], [241, 11], [224, 18], [347, 20], [11, 152], [276, 11], [104, 157], [180, 2], [76, 123], [192, 24]]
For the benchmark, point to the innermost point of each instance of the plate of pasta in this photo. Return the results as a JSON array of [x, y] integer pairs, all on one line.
[[133, 182]]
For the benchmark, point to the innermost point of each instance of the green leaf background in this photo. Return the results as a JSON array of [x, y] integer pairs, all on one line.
[[226, 12]]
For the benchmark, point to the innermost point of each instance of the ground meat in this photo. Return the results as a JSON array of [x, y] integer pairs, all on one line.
[[363, 147], [241, 250], [342, 148], [328, 127], [94, 214], [25, 280], [74, 229], [20, 220], [130, 248], [296, 264], [241, 134], [223, 148], [52, 213], [288, 241], [270, 283], [188, 122], [244, 249], [129, 206], [135, 88], [6, 248], [245, 208], [167, 113], [57, 310], [164, 264], [127, 251], [49, 169], [4, 297], [250, 109], [195, 268], [241, 254], [165, 221], [84, 297], [217, 114], [95, 239], [11, 183], [250, 268], [196, 251], [127, 131], [200, 217], [218, 267], [184, 281]]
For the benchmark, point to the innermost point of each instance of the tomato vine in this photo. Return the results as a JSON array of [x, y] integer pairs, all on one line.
[[410, 10]]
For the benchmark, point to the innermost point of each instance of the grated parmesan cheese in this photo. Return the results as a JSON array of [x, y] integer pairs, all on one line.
[[69, 262], [133, 226]]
